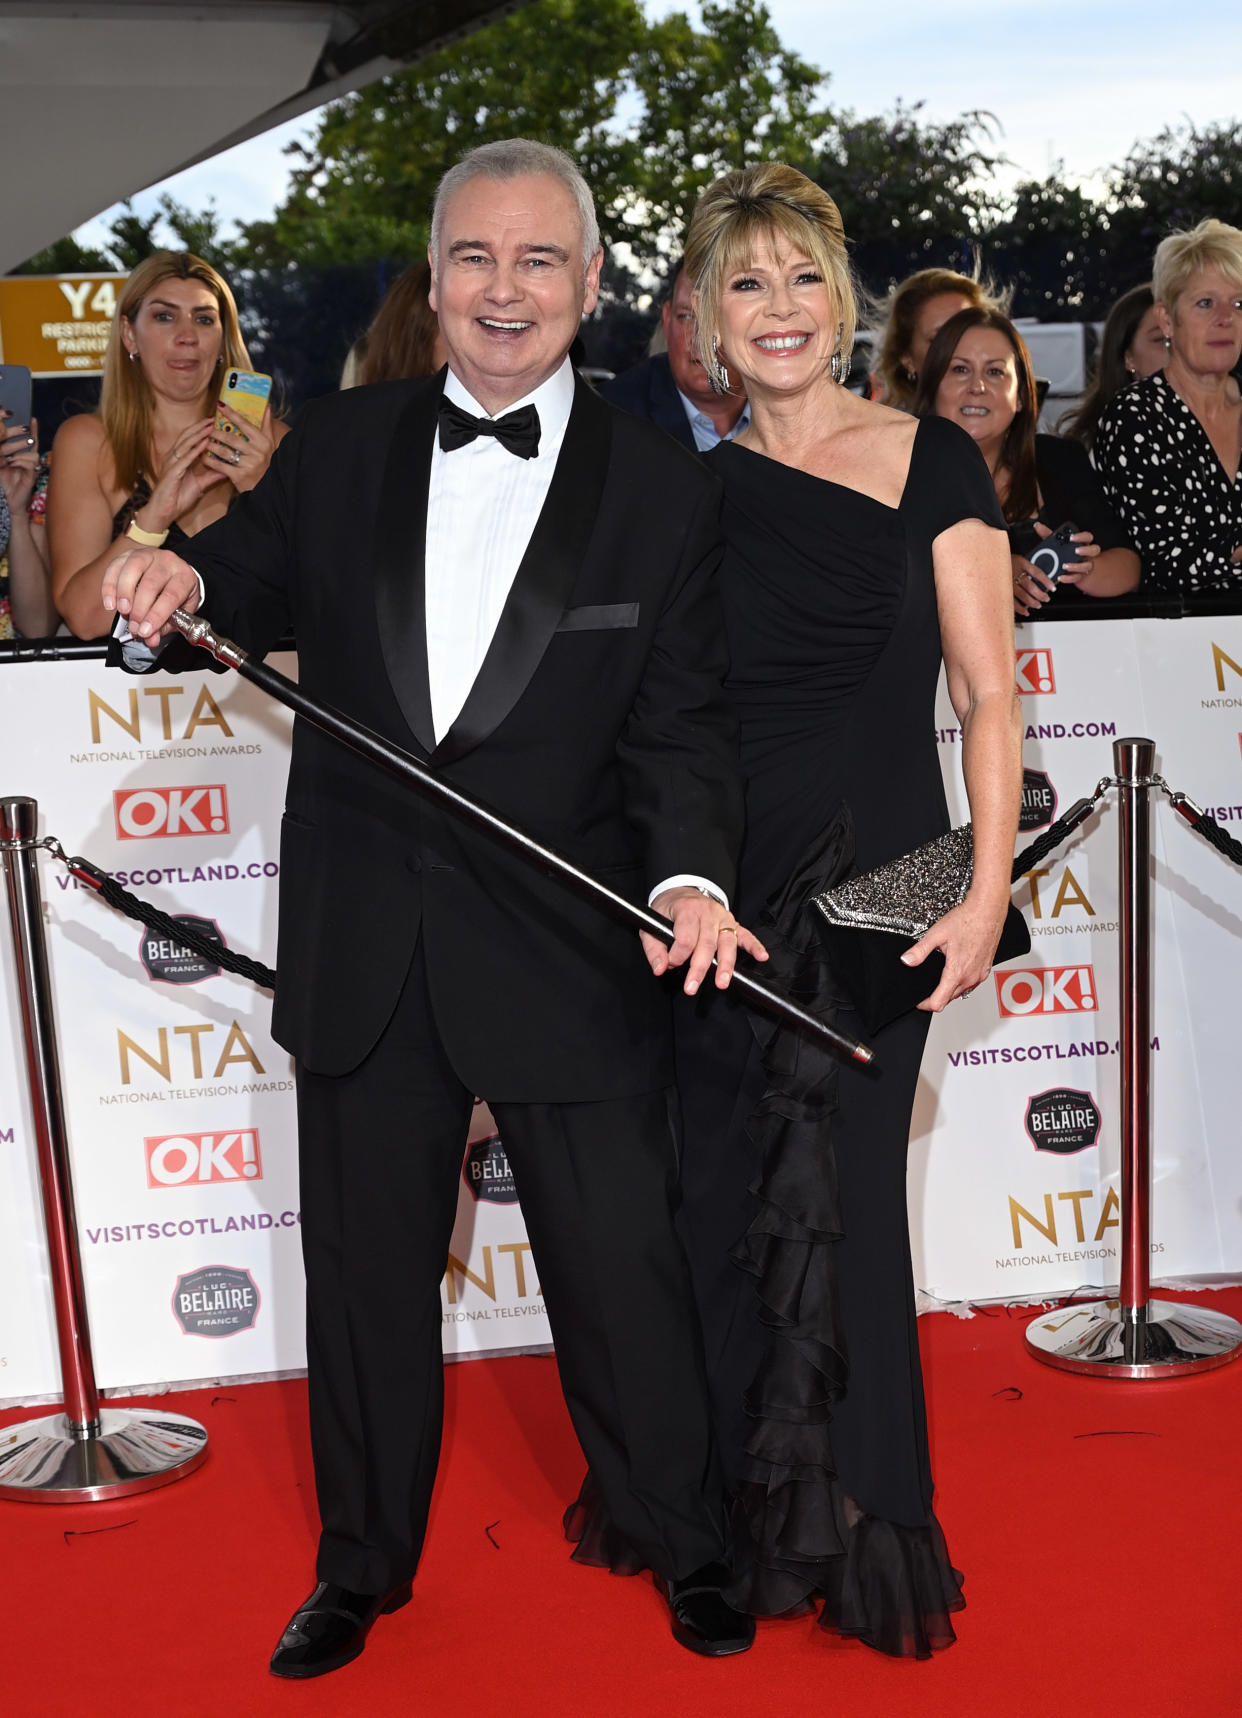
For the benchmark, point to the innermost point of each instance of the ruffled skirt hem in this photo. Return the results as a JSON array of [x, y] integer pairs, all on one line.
[[890, 1586]]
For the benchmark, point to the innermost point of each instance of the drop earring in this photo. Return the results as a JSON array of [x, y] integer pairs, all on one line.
[[717, 372]]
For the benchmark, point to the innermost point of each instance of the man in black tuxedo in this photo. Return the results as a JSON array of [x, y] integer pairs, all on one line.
[[500, 572], [672, 387]]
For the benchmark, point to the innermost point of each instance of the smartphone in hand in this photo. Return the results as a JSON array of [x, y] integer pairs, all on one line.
[[245, 393], [1053, 554], [16, 394]]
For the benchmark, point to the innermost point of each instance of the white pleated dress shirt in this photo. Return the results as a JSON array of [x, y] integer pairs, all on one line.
[[483, 503]]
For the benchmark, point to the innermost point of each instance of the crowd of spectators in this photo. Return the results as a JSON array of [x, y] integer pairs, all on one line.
[[1145, 469]]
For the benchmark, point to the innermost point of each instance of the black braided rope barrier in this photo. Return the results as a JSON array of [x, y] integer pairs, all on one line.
[[155, 920], [1053, 836], [187, 937], [1202, 824]]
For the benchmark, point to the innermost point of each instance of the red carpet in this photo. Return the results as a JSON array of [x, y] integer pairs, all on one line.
[[1099, 1525]]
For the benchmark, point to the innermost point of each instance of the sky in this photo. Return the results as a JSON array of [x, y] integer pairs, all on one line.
[[1072, 83]]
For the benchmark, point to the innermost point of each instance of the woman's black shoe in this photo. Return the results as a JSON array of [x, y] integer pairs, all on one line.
[[702, 1621], [331, 1628]]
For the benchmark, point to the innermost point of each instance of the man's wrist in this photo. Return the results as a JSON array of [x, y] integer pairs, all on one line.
[[684, 880]]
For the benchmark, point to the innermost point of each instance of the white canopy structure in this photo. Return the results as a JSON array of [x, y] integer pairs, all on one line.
[[102, 98]]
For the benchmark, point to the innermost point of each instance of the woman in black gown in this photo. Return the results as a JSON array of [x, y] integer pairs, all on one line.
[[862, 549]]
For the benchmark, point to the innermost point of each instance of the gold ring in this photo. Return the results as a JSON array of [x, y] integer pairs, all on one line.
[[728, 930]]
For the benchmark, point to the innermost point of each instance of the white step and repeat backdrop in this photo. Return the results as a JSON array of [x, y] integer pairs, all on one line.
[[180, 1107]]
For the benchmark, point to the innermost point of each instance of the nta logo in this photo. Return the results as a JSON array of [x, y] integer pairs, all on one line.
[[1047, 990], [218, 1300], [1034, 671], [145, 812], [175, 1159], [1063, 1120], [171, 963], [1221, 661], [205, 714]]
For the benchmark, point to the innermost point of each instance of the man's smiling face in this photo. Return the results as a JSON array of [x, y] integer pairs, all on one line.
[[510, 283]]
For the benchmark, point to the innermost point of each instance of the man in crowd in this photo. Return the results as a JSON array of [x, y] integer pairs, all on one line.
[[672, 387], [467, 574]]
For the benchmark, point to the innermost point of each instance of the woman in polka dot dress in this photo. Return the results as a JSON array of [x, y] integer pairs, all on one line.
[[1169, 447]]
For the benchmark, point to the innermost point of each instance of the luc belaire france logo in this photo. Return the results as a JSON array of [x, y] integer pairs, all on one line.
[[168, 962], [1039, 800], [1063, 1120], [218, 1300], [487, 1174]]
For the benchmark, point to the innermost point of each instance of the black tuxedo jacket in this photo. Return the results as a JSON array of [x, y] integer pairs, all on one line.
[[649, 391], [596, 722]]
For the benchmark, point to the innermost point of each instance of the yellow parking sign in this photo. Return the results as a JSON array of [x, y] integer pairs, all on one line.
[[57, 324]]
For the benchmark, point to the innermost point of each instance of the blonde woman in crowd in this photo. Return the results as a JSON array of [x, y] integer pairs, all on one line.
[[152, 464], [1169, 447]]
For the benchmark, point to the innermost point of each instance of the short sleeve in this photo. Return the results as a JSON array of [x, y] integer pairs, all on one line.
[[949, 481]]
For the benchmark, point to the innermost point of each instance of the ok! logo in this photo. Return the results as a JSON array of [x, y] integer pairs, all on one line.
[[1034, 671], [1047, 990], [147, 812]]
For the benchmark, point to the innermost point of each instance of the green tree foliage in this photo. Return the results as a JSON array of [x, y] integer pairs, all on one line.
[[897, 176], [714, 99], [1052, 246], [653, 110], [67, 256], [1173, 181], [364, 186]]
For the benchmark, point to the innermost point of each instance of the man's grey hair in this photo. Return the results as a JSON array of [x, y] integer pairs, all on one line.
[[516, 158]]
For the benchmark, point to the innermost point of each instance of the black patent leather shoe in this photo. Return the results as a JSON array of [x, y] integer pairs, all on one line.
[[702, 1621], [331, 1628]]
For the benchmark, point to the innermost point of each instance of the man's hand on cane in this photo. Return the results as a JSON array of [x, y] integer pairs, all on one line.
[[146, 585], [704, 927]]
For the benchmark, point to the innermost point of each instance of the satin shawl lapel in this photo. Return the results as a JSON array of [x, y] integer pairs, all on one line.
[[401, 560], [545, 579]]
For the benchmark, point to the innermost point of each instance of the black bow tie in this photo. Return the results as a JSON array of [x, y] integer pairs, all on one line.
[[518, 431]]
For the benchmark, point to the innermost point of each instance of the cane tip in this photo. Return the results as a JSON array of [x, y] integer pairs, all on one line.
[[863, 1055]]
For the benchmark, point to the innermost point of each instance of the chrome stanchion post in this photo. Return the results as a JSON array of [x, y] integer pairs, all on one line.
[[84, 1453], [1135, 1336], [1134, 763]]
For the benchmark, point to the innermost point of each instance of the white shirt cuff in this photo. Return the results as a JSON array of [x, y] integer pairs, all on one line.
[[688, 882]]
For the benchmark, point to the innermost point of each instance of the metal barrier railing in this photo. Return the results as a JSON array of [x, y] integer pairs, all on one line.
[[88, 1453], [1135, 1336]]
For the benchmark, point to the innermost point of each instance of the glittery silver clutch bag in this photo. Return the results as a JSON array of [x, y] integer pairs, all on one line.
[[909, 894], [868, 922]]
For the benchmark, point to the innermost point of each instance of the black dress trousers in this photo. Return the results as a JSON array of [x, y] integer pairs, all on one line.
[[381, 1153]]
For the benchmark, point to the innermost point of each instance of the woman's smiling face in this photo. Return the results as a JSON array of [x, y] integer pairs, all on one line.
[[980, 390], [779, 322]]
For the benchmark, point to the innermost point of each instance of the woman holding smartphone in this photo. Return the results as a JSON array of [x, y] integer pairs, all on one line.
[[977, 373], [154, 463], [26, 607]]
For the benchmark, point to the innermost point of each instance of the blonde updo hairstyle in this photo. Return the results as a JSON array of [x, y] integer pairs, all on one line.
[[775, 203], [126, 407], [1212, 244]]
